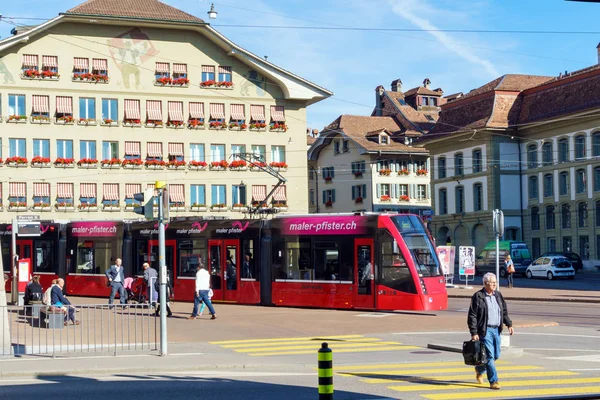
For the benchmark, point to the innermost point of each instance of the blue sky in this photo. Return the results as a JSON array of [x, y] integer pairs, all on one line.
[[352, 63]]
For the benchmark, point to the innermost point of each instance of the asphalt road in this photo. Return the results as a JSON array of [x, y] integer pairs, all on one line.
[[588, 280]]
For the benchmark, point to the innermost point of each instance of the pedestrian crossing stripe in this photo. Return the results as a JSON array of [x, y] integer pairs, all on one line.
[[497, 394], [311, 346], [438, 370], [363, 368], [298, 341], [468, 377], [337, 351], [270, 340], [465, 385]]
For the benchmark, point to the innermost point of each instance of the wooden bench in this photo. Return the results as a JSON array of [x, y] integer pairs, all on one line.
[[50, 319]]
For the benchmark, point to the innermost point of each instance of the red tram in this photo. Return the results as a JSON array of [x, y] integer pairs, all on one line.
[[371, 261]]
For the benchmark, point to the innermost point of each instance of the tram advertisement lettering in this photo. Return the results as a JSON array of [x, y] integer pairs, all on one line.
[[79, 229], [324, 226]]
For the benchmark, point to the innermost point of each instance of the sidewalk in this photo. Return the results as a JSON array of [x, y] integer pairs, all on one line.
[[529, 294]]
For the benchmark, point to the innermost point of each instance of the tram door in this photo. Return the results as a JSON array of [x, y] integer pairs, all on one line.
[[170, 258], [224, 260], [24, 250], [365, 273]]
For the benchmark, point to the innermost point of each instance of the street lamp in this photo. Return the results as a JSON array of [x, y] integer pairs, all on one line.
[[212, 14]]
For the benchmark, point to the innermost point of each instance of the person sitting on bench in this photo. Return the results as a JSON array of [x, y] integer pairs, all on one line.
[[60, 301], [33, 292]]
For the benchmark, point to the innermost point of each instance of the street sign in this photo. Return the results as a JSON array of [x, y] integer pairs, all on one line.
[[28, 228], [28, 217]]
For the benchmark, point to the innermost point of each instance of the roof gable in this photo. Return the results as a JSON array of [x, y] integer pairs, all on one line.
[[139, 9]]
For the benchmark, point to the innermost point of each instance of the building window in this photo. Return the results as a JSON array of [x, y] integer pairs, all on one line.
[[100, 67], [179, 71], [547, 153], [329, 197], [551, 243], [535, 219], [580, 181], [41, 107], [87, 108], [598, 214], [218, 196], [533, 187], [196, 152], [358, 167], [208, 73], [110, 150], [535, 248], [548, 185], [41, 194], [511, 234], [259, 151], [441, 167], [64, 148], [550, 221], [87, 149], [580, 151], [565, 211], [41, 148], [582, 215], [311, 197], [328, 173], [278, 154], [198, 195], [563, 183], [532, 156], [336, 147], [477, 161], [16, 148], [237, 149], [584, 247], [345, 147], [459, 193], [217, 152], [16, 105], [162, 70], [402, 190], [567, 242], [443, 201], [359, 192], [238, 195], [224, 74], [477, 197], [110, 110], [563, 150], [458, 164], [597, 179], [596, 144], [421, 192], [383, 139]]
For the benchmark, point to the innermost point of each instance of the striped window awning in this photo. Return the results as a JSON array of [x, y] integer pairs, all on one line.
[[162, 67], [41, 189], [150, 185], [280, 194], [208, 68], [64, 190], [30, 60], [224, 70], [197, 110], [50, 61], [237, 111], [99, 64], [80, 63], [132, 149], [179, 68], [131, 189], [41, 104], [217, 111], [176, 193], [87, 190], [176, 149], [154, 149], [175, 111], [277, 114], [257, 113], [154, 109], [132, 109], [110, 191], [17, 189], [259, 192], [64, 105]]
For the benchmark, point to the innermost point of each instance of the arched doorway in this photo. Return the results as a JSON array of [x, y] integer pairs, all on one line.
[[442, 234], [480, 237], [461, 238]]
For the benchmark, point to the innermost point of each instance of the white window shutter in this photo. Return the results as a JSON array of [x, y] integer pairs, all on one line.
[[379, 190]]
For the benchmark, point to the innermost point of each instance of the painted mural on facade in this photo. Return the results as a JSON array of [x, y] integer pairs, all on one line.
[[129, 51]]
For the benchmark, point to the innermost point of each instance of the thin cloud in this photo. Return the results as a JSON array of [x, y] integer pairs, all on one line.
[[407, 9]]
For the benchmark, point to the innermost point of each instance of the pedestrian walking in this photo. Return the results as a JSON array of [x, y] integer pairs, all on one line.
[[116, 278], [510, 270], [201, 293], [150, 278], [487, 314], [170, 295]]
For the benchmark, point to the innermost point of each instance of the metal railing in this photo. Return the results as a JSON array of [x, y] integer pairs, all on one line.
[[98, 328]]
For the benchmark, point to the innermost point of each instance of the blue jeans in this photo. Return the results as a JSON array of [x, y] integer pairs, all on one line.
[[203, 298], [509, 278], [492, 348], [114, 288]]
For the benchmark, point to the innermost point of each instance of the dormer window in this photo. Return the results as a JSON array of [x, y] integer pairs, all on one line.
[[336, 147], [345, 147], [383, 139]]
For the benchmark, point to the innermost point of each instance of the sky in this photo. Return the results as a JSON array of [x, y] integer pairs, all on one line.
[[363, 44]]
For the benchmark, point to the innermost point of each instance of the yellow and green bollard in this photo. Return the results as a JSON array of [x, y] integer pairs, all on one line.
[[325, 372]]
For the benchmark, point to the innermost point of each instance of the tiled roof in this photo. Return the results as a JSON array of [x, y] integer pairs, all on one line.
[[358, 127], [421, 90], [509, 82], [142, 9], [411, 120]]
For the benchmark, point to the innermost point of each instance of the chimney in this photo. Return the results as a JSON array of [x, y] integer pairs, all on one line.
[[397, 85], [379, 91], [426, 83]]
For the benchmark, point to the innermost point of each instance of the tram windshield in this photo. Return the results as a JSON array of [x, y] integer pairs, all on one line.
[[417, 240]]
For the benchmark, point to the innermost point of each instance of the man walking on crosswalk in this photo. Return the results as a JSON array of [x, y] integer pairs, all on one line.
[[487, 313]]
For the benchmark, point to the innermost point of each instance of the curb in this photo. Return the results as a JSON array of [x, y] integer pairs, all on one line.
[[549, 299]]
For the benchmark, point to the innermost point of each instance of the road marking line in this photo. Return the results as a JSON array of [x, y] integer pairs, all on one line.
[[316, 338], [314, 346], [285, 353], [495, 394], [407, 365], [466, 377], [238, 345], [443, 370], [456, 385]]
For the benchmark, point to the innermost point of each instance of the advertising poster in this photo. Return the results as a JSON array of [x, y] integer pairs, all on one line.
[[466, 260], [446, 256]]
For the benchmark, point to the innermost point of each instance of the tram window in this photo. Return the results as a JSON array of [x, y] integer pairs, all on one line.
[[365, 269], [298, 261], [44, 256], [249, 270], [94, 256], [141, 256], [191, 253], [231, 269], [395, 273], [422, 254], [326, 261]]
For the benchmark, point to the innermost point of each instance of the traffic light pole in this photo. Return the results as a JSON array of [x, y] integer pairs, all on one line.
[[162, 274]]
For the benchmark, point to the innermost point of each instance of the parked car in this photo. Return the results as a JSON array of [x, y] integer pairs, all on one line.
[[572, 257], [519, 252], [551, 267]]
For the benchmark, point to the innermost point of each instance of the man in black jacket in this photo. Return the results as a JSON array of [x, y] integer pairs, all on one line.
[[486, 315]]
